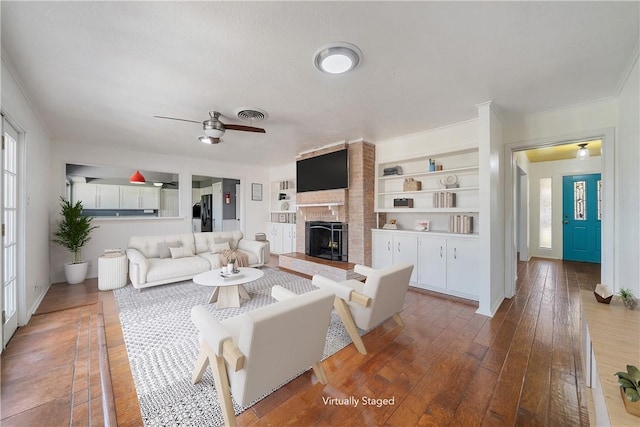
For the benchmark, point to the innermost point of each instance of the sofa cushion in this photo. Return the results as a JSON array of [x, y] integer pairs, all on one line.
[[148, 245], [217, 248], [203, 241], [168, 268], [180, 252], [163, 248]]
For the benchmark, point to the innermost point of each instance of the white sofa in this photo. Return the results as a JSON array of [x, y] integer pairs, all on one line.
[[149, 264]]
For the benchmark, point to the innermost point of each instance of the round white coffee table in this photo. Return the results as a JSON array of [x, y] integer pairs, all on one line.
[[228, 290]]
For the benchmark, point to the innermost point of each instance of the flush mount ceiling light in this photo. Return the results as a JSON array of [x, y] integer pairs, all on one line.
[[137, 178], [337, 57], [583, 152]]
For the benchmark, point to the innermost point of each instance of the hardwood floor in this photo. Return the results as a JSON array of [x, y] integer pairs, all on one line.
[[447, 366]]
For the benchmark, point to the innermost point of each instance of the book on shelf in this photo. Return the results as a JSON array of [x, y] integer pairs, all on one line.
[[461, 224], [444, 199]]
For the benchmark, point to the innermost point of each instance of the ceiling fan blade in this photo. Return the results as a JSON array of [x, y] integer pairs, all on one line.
[[244, 128], [174, 118]]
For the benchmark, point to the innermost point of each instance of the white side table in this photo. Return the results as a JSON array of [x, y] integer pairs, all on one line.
[[112, 272]]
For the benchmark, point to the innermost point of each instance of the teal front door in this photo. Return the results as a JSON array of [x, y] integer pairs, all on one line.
[[581, 217]]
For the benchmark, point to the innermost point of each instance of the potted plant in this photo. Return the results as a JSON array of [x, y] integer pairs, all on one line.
[[630, 389], [74, 231], [628, 299]]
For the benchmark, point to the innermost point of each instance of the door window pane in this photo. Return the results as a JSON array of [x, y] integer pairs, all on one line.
[[580, 201], [545, 213], [599, 200]]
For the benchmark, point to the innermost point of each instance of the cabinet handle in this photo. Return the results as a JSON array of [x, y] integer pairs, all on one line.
[[398, 246], [440, 251], [389, 245], [455, 253]]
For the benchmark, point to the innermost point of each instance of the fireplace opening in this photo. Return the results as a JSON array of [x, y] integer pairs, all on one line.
[[327, 240]]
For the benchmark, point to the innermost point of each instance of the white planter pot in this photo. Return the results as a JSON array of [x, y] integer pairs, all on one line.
[[76, 273]]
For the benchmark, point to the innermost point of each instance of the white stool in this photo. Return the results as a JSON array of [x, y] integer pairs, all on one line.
[[112, 272]]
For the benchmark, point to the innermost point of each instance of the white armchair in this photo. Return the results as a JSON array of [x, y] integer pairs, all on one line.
[[368, 304], [255, 352]]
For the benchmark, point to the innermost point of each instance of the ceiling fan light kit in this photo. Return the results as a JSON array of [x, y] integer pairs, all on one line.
[[213, 128], [337, 57], [209, 140]]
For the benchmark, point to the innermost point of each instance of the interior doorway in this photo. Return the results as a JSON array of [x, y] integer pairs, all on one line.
[[514, 197]]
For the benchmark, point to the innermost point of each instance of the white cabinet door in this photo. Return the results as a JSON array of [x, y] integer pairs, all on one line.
[[382, 243], [288, 238], [87, 194], [405, 249], [462, 266], [432, 262], [275, 238], [129, 197], [149, 198], [108, 196]]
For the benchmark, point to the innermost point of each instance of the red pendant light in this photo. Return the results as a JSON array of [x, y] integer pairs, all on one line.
[[137, 178]]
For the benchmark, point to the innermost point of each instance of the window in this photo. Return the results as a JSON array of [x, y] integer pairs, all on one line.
[[545, 213], [580, 200]]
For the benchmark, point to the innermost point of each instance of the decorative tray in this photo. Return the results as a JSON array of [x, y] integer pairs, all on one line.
[[235, 273]]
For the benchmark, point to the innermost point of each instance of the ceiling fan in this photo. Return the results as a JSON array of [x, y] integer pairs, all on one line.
[[214, 129]]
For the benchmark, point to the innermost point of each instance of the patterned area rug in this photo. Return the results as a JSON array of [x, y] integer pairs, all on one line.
[[162, 344]]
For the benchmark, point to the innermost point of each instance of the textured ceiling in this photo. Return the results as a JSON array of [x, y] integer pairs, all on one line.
[[97, 72]]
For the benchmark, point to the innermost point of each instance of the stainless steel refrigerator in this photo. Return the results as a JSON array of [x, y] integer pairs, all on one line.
[[206, 215]]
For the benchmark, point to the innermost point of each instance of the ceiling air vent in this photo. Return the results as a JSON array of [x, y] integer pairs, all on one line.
[[251, 114]]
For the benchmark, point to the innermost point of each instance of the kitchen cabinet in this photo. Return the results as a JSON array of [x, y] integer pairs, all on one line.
[[96, 196], [139, 197]]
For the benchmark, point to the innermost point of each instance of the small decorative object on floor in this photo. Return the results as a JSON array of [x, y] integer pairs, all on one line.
[[628, 299], [603, 293], [630, 389]]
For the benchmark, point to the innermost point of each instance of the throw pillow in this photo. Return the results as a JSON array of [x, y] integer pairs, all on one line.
[[223, 240], [163, 248], [181, 252], [217, 248]]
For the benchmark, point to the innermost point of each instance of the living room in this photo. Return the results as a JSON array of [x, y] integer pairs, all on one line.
[[495, 129]]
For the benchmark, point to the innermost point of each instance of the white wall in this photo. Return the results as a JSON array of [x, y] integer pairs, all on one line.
[[33, 194], [492, 228], [627, 160], [555, 170], [115, 232]]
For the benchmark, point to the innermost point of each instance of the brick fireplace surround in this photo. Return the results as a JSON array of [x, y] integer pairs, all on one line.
[[356, 207]]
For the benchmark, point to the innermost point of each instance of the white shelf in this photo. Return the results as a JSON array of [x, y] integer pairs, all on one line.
[[434, 173], [431, 210], [438, 190], [315, 205]]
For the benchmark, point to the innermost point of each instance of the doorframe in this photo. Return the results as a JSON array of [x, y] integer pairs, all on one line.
[[607, 135], [22, 313]]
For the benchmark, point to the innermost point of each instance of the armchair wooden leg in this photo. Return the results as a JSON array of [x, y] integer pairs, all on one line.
[[223, 389], [347, 320], [398, 320], [201, 363], [319, 371]]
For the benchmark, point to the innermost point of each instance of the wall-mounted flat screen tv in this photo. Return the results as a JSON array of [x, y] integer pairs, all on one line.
[[325, 172]]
